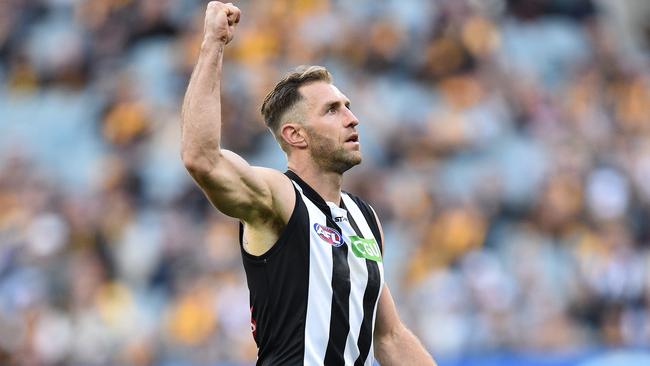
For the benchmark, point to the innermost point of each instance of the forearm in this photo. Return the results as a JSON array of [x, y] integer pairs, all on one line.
[[201, 111], [401, 347]]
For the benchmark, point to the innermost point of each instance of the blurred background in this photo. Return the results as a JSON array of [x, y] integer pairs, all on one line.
[[506, 149]]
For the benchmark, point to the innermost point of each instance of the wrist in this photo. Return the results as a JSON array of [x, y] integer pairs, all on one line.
[[212, 46]]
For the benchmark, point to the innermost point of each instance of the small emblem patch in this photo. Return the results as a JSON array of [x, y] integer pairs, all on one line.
[[328, 234], [365, 248]]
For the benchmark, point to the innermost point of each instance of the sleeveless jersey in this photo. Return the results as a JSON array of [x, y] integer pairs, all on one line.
[[313, 295]]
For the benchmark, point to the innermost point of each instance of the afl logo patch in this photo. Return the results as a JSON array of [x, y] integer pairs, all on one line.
[[329, 235]]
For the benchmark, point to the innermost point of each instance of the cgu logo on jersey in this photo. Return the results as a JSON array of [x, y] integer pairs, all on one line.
[[329, 235], [365, 248]]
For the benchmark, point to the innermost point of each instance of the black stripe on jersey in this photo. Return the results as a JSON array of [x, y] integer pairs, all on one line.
[[369, 300], [340, 319], [341, 286]]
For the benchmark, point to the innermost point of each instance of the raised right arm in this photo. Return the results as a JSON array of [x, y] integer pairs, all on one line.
[[231, 184]]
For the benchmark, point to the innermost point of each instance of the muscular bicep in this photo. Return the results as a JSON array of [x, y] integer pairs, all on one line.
[[242, 191]]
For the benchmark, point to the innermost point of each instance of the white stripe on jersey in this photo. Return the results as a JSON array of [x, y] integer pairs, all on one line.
[[319, 298], [367, 233]]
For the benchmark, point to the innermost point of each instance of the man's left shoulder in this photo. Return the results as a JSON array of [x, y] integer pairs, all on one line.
[[369, 214], [359, 201]]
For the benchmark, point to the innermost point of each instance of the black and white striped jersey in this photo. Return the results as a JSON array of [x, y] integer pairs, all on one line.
[[313, 295]]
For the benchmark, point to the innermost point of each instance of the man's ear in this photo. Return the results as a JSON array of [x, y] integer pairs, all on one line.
[[294, 135]]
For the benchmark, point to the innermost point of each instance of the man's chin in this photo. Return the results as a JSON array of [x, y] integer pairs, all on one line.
[[352, 162], [355, 158], [358, 160], [339, 161]]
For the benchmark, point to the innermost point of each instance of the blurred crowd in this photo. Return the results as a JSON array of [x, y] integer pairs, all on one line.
[[506, 150]]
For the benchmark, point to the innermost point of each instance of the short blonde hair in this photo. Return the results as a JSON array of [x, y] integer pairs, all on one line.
[[285, 94]]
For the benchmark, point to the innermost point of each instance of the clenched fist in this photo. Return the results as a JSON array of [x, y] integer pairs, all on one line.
[[220, 22]]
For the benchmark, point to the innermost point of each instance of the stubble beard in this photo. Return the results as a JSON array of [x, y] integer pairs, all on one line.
[[329, 156]]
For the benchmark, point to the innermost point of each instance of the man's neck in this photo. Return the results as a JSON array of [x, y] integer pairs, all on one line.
[[326, 184]]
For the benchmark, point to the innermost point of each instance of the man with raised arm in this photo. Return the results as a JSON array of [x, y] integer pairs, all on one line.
[[312, 253]]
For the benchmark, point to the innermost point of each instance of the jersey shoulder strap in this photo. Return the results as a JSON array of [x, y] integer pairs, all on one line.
[[369, 215]]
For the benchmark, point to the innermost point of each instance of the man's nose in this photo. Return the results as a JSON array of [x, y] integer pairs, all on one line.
[[351, 119]]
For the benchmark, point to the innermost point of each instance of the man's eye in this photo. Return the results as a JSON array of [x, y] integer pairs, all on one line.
[[331, 110]]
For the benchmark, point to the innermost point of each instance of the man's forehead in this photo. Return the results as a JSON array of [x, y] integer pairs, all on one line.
[[321, 92]]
